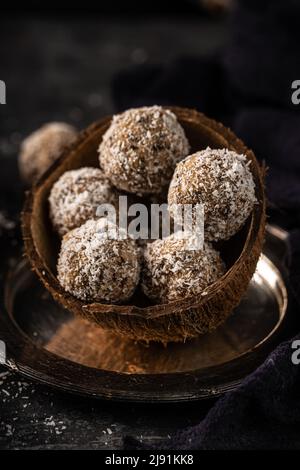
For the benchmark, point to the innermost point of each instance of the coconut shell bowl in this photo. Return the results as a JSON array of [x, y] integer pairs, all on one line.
[[139, 319]]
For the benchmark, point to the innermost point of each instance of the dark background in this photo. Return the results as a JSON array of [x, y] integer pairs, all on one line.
[[58, 64]]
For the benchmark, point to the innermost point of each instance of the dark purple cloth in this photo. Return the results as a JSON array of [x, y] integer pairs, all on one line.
[[262, 413], [248, 87]]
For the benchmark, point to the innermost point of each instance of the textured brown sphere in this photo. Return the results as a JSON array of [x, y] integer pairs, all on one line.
[[96, 268], [140, 149], [41, 148], [172, 271], [222, 182], [76, 195]]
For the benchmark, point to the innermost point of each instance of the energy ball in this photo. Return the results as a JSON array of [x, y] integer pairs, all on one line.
[[172, 271], [76, 195], [41, 148], [140, 149], [94, 266], [222, 182]]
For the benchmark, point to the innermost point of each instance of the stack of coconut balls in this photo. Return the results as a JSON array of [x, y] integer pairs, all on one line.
[[144, 152]]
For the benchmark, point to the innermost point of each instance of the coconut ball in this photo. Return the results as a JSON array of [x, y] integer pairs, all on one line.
[[220, 180], [41, 148], [76, 195], [173, 271], [96, 265], [140, 149]]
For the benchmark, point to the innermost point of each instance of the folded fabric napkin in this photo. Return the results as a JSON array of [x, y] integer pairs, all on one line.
[[247, 86]]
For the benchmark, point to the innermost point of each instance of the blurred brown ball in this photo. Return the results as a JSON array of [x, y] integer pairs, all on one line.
[[41, 148]]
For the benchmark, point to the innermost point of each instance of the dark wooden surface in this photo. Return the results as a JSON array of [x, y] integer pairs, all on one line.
[[62, 69]]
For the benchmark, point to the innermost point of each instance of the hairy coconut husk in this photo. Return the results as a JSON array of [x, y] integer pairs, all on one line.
[[140, 320]]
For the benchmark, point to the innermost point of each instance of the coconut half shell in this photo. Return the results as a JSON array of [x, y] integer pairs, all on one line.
[[140, 320]]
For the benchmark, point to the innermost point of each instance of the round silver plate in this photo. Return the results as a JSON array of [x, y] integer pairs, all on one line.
[[48, 344]]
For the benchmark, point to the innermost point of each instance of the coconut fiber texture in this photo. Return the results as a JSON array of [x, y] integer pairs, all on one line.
[[254, 87]]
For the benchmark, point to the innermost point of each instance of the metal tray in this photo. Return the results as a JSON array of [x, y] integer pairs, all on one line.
[[46, 343]]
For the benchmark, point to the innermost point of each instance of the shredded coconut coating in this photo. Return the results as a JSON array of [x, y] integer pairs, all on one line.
[[222, 181], [41, 148], [76, 195], [95, 268], [171, 271], [140, 149]]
